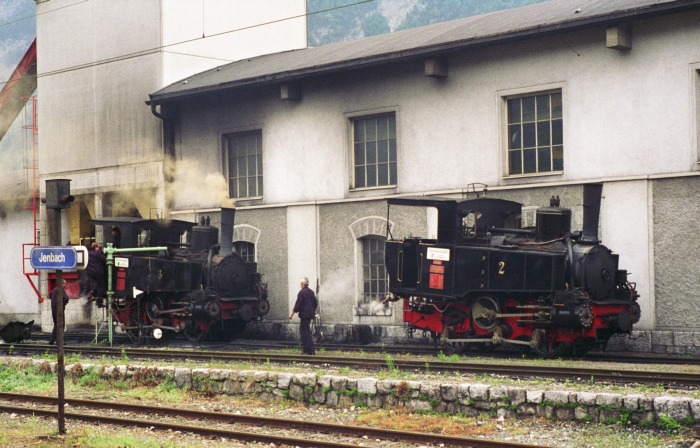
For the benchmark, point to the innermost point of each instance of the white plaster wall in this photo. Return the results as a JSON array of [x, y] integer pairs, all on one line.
[[626, 228], [18, 301], [232, 31], [302, 237], [99, 60], [625, 114]]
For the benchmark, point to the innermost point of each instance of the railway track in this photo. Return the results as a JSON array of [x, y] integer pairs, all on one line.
[[247, 428], [405, 349], [662, 376]]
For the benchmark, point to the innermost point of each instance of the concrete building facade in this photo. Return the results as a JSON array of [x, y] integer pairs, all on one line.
[[614, 89], [618, 82]]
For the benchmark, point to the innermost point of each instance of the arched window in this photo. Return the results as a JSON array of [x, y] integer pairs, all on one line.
[[245, 238], [374, 279], [372, 282]]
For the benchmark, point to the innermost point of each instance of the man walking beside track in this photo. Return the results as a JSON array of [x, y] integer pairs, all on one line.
[[306, 307]]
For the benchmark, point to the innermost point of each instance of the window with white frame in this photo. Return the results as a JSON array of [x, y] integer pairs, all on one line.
[[374, 278], [243, 151], [535, 133], [374, 150], [245, 250]]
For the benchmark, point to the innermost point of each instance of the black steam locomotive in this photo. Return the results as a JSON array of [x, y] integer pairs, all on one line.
[[196, 287], [485, 281]]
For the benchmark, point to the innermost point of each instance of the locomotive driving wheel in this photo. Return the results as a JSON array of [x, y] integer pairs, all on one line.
[[543, 345], [485, 311], [154, 306], [194, 331]]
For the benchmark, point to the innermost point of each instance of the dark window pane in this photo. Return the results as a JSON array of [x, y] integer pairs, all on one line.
[[514, 110], [359, 154], [359, 177], [371, 130], [542, 107], [556, 105], [528, 109], [529, 161], [543, 133], [558, 158], [544, 160], [382, 151], [252, 165], [516, 161], [359, 131], [242, 188], [392, 173], [252, 186], [529, 135], [252, 146], [557, 132], [514, 136], [392, 150], [382, 128], [371, 152], [383, 172], [371, 175], [260, 185], [392, 126]]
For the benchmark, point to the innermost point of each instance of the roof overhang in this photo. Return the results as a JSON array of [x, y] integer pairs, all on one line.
[[574, 21]]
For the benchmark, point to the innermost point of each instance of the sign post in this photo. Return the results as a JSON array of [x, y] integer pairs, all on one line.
[[55, 258], [59, 258]]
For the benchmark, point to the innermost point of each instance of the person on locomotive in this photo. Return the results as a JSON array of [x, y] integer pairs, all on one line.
[[305, 305], [54, 310], [96, 271], [116, 237]]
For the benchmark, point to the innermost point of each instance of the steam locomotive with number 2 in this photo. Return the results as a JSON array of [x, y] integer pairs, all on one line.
[[197, 286], [485, 281]]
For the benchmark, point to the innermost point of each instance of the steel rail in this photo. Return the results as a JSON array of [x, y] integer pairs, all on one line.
[[312, 427], [666, 377], [408, 349]]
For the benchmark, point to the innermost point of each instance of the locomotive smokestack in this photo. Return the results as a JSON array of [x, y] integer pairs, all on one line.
[[591, 213], [227, 220]]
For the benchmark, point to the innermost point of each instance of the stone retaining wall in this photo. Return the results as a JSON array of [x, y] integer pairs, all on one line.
[[452, 398]]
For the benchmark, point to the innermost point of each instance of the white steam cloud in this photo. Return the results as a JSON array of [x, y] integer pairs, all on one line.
[[338, 288], [192, 186]]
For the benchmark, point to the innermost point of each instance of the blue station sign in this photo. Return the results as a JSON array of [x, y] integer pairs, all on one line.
[[54, 258]]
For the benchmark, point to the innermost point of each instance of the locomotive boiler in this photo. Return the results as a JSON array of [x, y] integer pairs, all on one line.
[[485, 281], [197, 287]]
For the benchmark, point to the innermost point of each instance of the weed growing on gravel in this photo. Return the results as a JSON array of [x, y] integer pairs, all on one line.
[[448, 358], [26, 379]]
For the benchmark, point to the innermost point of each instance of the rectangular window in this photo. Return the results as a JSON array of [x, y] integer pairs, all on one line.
[[374, 151], [535, 133], [244, 164]]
